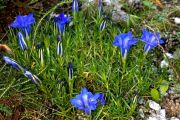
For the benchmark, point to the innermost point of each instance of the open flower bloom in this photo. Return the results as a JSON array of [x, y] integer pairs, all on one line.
[[21, 41], [152, 40], [61, 21], [87, 101], [23, 22], [124, 41], [33, 78], [75, 6], [11, 62]]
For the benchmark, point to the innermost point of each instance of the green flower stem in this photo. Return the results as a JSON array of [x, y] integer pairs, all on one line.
[[142, 61], [123, 65], [101, 43], [26, 54], [70, 82], [75, 22]]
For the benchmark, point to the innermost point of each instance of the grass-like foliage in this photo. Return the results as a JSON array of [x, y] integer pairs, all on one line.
[[55, 59]]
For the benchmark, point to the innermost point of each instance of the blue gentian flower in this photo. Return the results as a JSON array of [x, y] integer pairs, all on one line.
[[24, 23], [152, 40], [33, 78], [70, 71], [124, 41], [75, 6], [59, 46], [21, 41], [11, 62], [86, 101], [61, 21]]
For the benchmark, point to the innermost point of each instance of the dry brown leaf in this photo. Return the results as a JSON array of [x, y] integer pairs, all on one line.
[[158, 3]]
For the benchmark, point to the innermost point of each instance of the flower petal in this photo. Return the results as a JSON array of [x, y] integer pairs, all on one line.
[[77, 102]]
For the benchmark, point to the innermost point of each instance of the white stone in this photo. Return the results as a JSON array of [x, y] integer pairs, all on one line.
[[152, 118], [177, 20], [90, 0], [141, 101], [171, 90], [156, 117], [164, 64], [108, 2], [174, 118], [141, 113], [153, 105], [169, 55], [162, 113]]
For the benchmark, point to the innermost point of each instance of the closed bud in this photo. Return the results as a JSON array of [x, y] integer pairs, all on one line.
[[70, 71], [75, 6], [21, 41], [33, 78]]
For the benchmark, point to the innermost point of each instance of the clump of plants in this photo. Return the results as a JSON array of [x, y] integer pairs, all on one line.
[[64, 54]]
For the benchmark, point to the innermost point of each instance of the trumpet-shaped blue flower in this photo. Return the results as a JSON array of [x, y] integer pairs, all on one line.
[[33, 78], [152, 40], [124, 41], [75, 6], [87, 101], [21, 41], [11, 62], [23, 22], [61, 21]]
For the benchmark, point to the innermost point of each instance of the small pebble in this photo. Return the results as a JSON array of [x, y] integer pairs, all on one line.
[[162, 112], [152, 118], [153, 105], [169, 55], [141, 113], [174, 118], [108, 2], [177, 20], [164, 64], [140, 100]]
